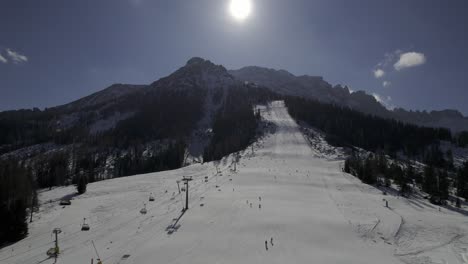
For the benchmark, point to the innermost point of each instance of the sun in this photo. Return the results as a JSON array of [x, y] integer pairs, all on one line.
[[240, 9]]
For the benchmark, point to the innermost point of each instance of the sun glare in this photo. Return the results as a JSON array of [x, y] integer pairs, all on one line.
[[240, 9]]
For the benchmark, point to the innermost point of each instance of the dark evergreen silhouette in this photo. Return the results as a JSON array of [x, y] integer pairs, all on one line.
[[81, 184], [346, 127], [462, 139], [235, 123], [462, 181], [17, 194], [376, 169]]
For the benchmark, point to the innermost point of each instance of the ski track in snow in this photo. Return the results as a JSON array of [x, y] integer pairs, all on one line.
[[314, 212]]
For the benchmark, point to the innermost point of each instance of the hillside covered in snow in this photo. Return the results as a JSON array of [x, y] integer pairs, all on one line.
[[284, 199]]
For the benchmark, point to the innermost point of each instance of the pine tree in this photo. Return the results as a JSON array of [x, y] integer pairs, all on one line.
[[16, 191], [462, 181], [449, 159], [408, 176], [443, 188], [430, 181], [369, 176], [81, 184], [347, 167]]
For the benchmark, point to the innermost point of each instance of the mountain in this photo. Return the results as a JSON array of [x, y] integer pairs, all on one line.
[[197, 73], [314, 87], [199, 112]]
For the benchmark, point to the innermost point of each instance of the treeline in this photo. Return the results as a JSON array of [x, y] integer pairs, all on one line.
[[435, 181], [462, 181], [133, 162], [86, 165], [22, 128], [462, 139], [347, 127], [17, 193], [375, 169], [235, 124], [162, 114]]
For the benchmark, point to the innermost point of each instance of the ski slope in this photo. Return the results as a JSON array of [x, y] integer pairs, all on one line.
[[282, 189]]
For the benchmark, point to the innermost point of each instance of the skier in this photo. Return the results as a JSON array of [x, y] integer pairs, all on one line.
[[266, 245], [259, 206], [250, 205], [271, 241]]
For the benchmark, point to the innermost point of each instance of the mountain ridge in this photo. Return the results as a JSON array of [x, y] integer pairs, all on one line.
[[315, 87], [199, 72]]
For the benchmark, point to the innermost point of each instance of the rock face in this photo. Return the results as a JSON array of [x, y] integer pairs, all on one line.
[[197, 72], [314, 87]]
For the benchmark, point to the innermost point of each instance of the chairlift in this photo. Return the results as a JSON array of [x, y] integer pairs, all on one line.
[[182, 189], [143, 210], [54, 251], [84, 226], [65, 202], [151, 197]]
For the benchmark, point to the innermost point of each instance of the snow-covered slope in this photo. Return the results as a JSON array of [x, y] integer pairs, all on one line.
[[283, 191]]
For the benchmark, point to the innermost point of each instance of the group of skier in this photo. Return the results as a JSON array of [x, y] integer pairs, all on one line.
[[266, 243]]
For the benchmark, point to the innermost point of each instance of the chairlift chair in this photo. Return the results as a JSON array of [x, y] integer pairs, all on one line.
[[65, 202], [151, 198], [85, 226], [143, 210], [52, 252]]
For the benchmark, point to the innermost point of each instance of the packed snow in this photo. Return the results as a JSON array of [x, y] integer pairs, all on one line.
[[284, 201]]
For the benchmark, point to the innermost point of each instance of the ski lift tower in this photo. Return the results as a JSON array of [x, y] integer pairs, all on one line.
[[186, 180], [53, 252], [56, 231]]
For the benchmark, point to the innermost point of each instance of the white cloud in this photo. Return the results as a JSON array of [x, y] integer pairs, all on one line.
[[409, 59], [3, 59], [386, 83], [16, 57], [389, 58], [384, 100], [378, 73]]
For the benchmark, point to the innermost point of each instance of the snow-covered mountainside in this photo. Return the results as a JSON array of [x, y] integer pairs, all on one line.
[[314, 87], [284, 201], [114, 129]]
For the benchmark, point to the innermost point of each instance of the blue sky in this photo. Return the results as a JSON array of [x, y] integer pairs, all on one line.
[[55, 51]]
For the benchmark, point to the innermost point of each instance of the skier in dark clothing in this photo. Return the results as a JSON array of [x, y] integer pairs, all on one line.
[[266, 245]]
